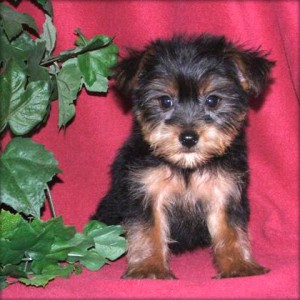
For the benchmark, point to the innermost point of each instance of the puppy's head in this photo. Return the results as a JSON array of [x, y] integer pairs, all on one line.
[[191, 94]]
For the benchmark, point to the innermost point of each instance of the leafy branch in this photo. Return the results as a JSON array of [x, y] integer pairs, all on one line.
[[33, 251], [37, 252], [83, 46], [28, 63]]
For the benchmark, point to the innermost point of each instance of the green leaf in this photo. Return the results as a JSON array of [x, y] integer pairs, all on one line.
[[60, 231], [93, 260], [77, 269], [100, 85], [82, 40], [39, 263], [37, 280], [112, 248], [25, 169], [54, 227], [13, 271], [24, 237], [69, 82], [99, 42], [46, 5], [12, 82], [22, 109], [34, 70], [97, 64], [49, 35], [30, 108], [27, 54], [75, 254], [13, 21], [57, 270], [47, 249], [96, 43], [18, 50], [21, 47], [71, 243], [3, 282], [109, 243], [8, 223], [93, 225], [8, 255], [107, 230], [5, 52]]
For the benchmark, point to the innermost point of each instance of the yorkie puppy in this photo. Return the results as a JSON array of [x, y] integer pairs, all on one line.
[[180, 181]]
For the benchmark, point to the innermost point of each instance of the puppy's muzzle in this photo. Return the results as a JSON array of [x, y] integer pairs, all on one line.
[[189, 138]]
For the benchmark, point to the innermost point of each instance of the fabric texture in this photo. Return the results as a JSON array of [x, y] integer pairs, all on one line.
[[88, 146]]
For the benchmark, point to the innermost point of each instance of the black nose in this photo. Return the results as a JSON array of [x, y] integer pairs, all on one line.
[[188, 138]]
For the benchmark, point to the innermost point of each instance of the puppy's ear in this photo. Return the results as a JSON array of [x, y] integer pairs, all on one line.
[[253, 69], [127, 72]]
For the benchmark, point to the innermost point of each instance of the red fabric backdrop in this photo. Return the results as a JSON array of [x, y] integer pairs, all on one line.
[[89, 144]]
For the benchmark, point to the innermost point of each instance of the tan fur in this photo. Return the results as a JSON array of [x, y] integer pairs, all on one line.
[[163, 187], [231, 247], [139, 243], [164, 141], [230, 243], [187, 140], [211, 83], [241, 71], [148, 253]]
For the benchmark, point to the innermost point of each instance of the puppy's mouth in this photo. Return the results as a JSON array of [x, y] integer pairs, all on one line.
[[188, 150]]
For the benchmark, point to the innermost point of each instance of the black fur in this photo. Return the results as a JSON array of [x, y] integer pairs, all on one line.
[[187, 64]]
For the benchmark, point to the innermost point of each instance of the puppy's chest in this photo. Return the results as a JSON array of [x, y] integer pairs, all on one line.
[[166, 188]]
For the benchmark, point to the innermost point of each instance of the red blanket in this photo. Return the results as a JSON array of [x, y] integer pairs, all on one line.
[[86, 149]]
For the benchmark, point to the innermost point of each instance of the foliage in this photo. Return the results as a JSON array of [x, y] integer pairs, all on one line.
[[37, 252], [31, 250], [25, 169], [32, 77]]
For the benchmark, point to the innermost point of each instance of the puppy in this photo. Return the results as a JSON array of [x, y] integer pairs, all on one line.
[[180, 181]]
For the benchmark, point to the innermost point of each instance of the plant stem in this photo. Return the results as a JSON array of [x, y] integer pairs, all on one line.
[[27, 260], [74, 52], [51, 202]]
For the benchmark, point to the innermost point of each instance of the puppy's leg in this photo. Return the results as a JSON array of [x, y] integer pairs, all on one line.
[[148, 232], [147, 252], [231, 248]]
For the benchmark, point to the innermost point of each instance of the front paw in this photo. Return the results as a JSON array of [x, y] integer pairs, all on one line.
[[242, 269], [142, 272]]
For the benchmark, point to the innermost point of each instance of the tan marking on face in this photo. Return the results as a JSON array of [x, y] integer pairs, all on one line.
[[212, 83], [164, 141], [213, 141]]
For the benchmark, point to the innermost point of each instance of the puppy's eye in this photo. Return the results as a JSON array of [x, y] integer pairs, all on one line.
[[212, 101], [166, 102]]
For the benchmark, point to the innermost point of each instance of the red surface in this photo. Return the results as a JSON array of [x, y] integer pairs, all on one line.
[[89, 144]]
